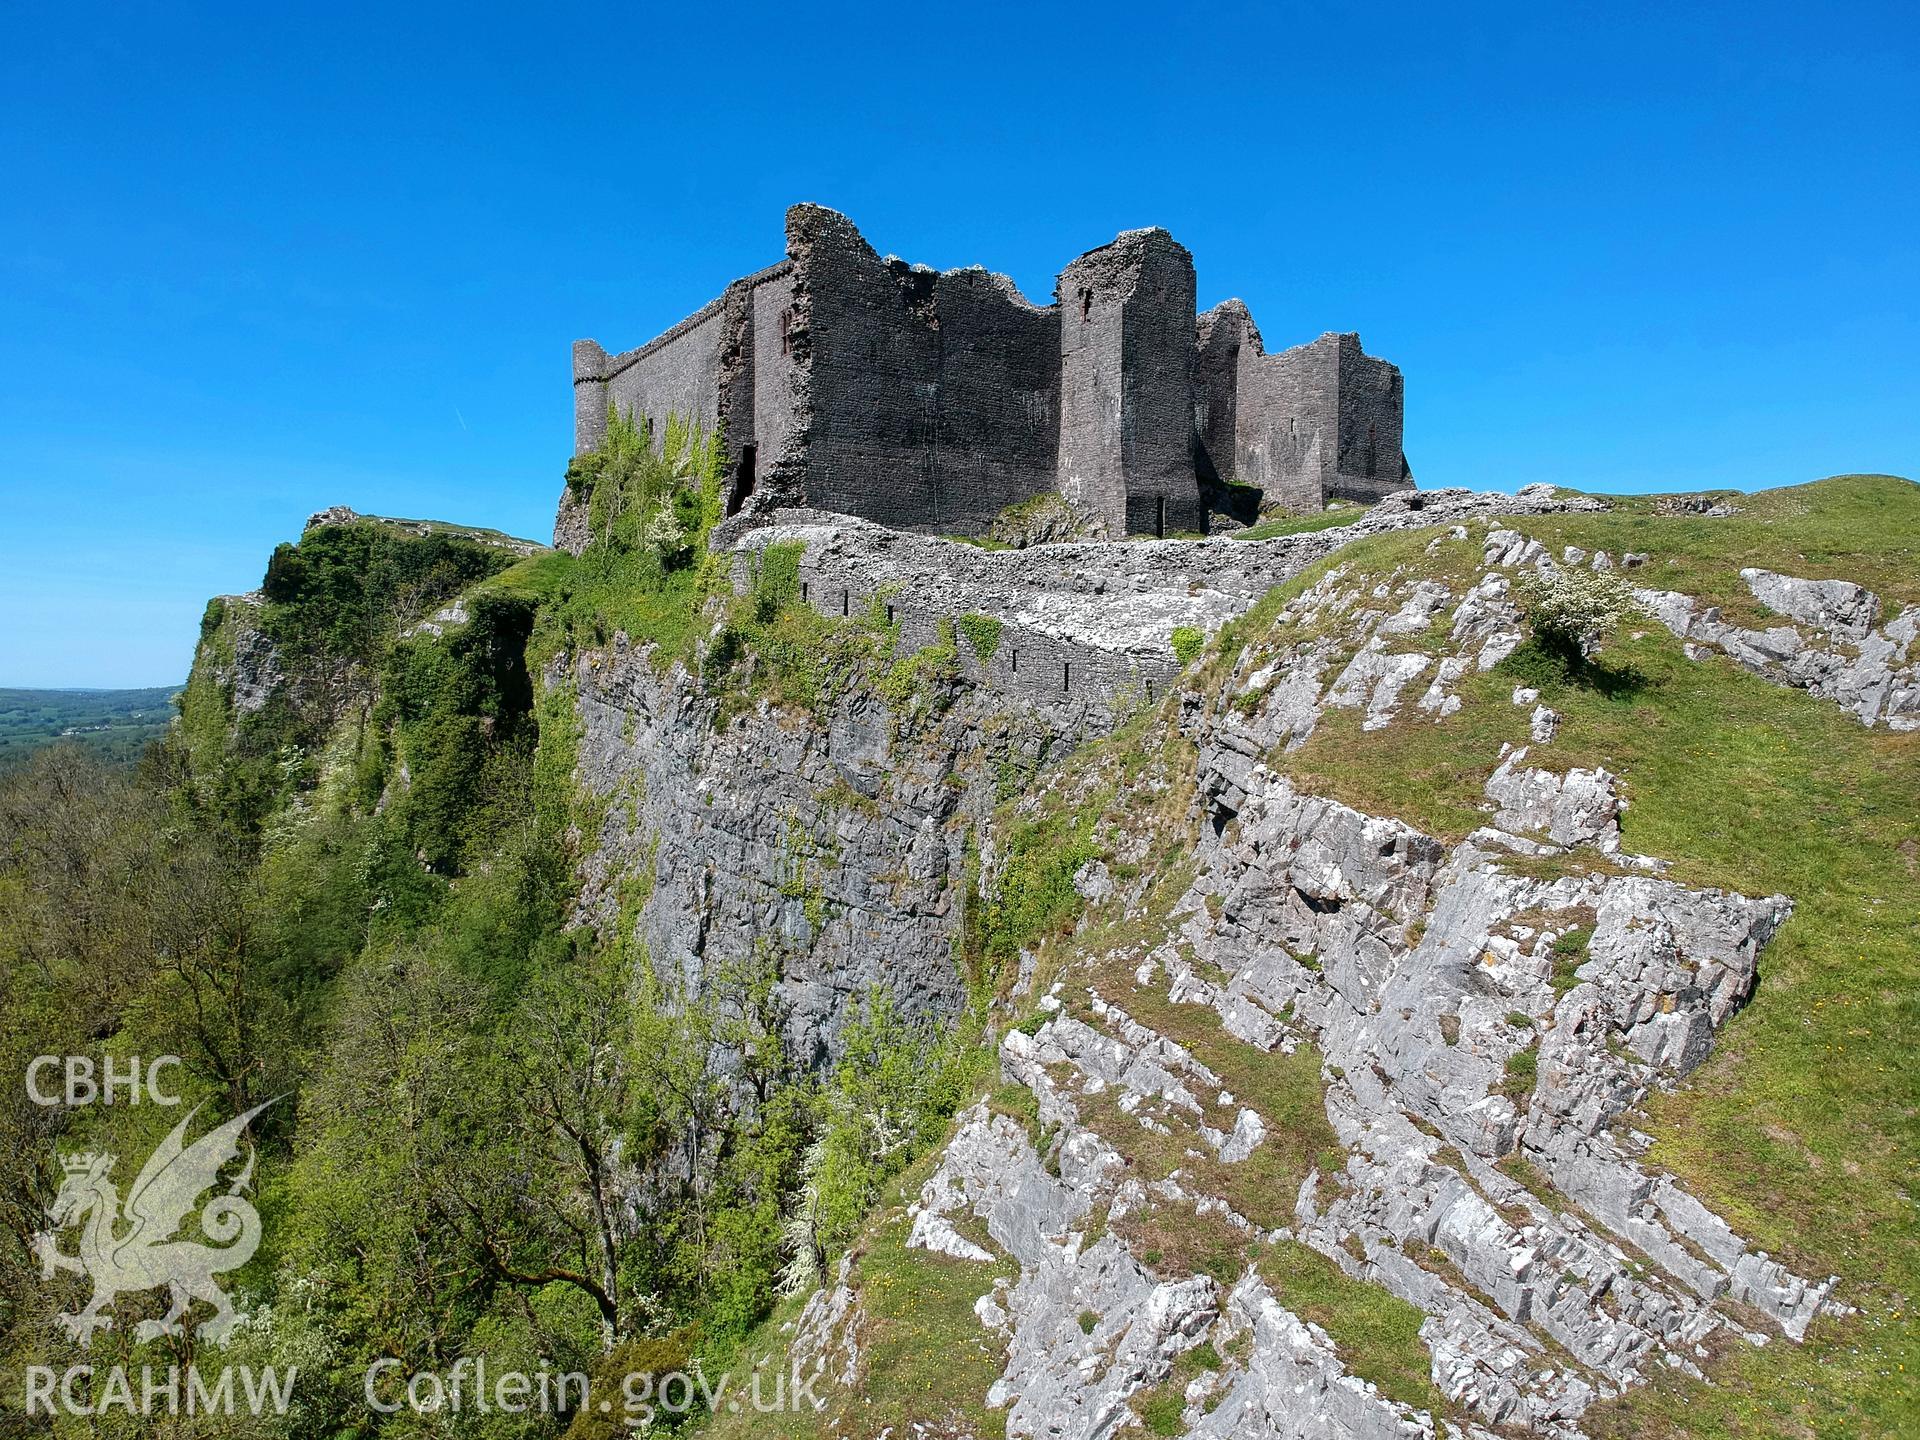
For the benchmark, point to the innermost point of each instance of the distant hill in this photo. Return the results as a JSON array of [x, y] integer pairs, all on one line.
[[114, 724]]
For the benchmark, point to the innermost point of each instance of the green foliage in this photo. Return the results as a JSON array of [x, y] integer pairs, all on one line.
[[983, 634], [889, 1098], [344, 591], [1334, 515], [1202, 1357], [923, 680], [1160, 1410], [1571, 610], [1376, 1333], [1523, 1066], [1033, 894], [1569, 954], [776, 646], [461, 709], [1188, 642], [645, 571], [512, 1137]]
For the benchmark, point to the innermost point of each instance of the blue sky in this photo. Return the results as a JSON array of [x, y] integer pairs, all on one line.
[[255, 260]]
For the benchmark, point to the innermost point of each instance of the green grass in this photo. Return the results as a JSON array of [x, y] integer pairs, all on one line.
[[1376, 1333], [1801, 1128], [1851, 527], [1301, 524], [925, 1357]]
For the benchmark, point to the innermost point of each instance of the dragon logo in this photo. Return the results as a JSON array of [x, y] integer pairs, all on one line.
[[131, 1247]]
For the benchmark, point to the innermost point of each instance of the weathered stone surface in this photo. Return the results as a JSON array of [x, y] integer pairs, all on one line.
[[834, 844], [1870, 670], [1838, 607], [1459, 1037], [1425, 973], [935, 401], [1294, 1384], [826, 1340], [1577, 808]]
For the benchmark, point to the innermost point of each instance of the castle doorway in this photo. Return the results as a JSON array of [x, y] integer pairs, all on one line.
[[742, 480]]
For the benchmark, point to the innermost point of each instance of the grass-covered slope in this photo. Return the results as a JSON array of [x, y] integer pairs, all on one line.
[[1801, 1129]]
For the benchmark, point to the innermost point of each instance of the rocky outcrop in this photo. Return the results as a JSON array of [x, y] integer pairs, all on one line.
[[1868, 669], [1086, 630], [1487, 1031], [837, 840], [1425, 974], [832, 845], [1488, 1013], [420, 529], [239, 656]]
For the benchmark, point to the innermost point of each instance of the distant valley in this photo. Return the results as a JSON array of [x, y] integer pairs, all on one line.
[[114, 725]]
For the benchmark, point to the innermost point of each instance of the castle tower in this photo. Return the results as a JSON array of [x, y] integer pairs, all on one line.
[[1126, 377]]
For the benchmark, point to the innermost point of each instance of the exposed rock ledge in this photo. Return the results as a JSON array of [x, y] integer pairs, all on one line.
[[1868, 669], [1420, 970]]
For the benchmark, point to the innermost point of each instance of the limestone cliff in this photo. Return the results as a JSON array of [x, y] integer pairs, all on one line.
[[1362, 1064]]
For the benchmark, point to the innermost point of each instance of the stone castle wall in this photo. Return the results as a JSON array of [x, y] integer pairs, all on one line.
[[933, 397], [932, 401]]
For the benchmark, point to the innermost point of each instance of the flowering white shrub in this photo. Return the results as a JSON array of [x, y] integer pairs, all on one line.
[[1571, 611]]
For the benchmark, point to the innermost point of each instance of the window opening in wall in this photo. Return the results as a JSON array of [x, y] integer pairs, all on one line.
[[1086, 304], [889, 614], [1016, 662], [786, 328], [742, 480], [1160, 517], [1066, 676], [846, 607], [1149, 692], [1371, 455], [803, 592]]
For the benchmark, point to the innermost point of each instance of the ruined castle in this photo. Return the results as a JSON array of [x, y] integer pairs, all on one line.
[[934, 401]]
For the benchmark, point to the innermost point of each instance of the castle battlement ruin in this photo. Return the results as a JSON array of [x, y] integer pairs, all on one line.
[[935, 400]]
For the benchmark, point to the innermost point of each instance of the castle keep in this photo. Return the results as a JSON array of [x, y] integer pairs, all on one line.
[[933, 401]]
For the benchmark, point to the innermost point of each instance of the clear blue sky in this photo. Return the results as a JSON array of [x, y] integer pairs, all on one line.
[[259, 259]]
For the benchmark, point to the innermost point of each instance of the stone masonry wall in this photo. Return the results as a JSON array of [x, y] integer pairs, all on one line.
[[719, 367], [1126, 374], [933, 396], [1086, 629], [1371, 405], [1318, 422], [932, 401]]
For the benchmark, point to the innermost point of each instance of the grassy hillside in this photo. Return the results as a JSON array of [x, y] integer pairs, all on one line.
[[1802, 1126], [362, 895], [114, 726]]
